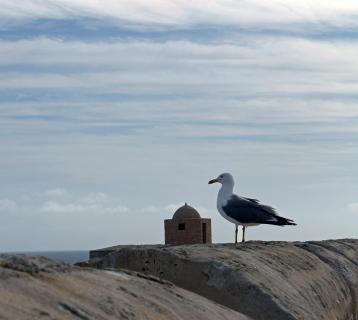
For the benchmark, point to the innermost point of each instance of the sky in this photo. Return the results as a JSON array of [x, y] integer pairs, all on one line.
[[115, 113]]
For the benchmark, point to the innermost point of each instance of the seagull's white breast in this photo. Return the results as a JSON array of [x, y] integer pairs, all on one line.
[[221, 202]]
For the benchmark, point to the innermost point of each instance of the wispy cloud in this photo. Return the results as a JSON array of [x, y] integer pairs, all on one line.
[[65, 203], [183, 13], [231, 94], [7, 205], [65, 208], [167, 68], [57, 192], [95, 198], [95, 203]]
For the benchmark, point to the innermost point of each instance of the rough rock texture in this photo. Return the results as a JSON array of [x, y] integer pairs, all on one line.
[[264, 280], [37, 288]]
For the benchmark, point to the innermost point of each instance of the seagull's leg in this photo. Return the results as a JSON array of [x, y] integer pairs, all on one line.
[[243, 233], [235, 233]]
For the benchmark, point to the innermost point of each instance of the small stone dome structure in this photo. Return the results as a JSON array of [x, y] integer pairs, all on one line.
[[187, 227], [186, 212]]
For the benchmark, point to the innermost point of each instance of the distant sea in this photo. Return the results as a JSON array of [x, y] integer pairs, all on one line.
[[60, 256]]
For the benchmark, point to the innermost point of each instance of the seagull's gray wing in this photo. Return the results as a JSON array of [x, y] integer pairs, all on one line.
[[246, 210]]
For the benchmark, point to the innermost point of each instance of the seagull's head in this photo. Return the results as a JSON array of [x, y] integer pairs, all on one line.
[[224, 178]]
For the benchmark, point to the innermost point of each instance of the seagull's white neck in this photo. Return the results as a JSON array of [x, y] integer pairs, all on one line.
[[225, 191]]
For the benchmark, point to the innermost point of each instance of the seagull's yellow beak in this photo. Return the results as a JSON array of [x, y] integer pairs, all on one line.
[[213, 181]]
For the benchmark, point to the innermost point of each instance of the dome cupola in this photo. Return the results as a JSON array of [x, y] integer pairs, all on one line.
[[186, 212]]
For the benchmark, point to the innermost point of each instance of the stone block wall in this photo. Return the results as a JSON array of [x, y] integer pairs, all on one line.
[[188, 231]]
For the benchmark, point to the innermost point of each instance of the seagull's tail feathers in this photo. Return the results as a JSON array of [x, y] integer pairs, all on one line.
[[276, 219], [281, 221]]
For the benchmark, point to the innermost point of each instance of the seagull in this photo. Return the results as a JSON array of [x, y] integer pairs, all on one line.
[[244, 211]]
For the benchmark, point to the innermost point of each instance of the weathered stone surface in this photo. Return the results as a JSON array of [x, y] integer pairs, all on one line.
[[264, 280], [37, 288]]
